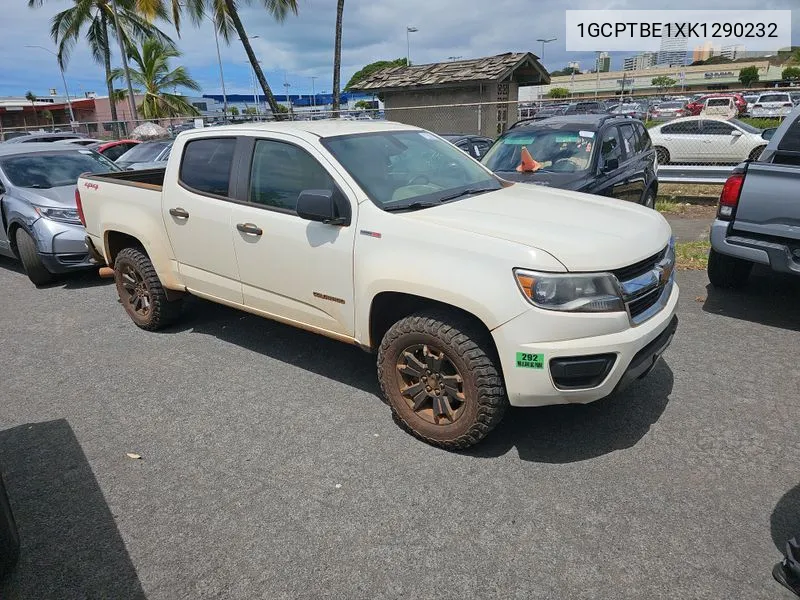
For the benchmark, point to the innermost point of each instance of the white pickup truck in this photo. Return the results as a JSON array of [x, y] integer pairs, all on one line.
[[474, 292]]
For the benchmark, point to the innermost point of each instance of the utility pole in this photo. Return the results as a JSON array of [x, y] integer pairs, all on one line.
[[123, 52], [409, 31]]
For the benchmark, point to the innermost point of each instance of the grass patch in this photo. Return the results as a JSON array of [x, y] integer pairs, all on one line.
[[669, 207], [692, 256]]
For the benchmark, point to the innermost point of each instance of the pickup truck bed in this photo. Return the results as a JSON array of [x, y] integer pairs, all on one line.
[[152, 179]]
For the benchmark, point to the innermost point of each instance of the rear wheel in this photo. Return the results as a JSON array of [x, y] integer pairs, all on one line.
[[756, 152], [662, 154], [649, 198], [726, 271], [437, 371], [34, 267], [141, 293]]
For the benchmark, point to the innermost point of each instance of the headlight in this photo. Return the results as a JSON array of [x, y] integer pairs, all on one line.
[[590, 292], [62, 215]]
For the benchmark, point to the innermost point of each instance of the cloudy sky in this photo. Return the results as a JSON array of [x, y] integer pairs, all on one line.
[[302, 47]]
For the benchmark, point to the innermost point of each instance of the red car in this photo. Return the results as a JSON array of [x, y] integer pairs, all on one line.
[[696, 106], [113, 150]]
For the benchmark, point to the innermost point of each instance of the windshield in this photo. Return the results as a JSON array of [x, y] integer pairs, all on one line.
[[47, 170], [670, 105], [400, 168], [545, 150], [143, 152]]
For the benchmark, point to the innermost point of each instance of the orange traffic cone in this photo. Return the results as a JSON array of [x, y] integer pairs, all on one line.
[[527, 164]]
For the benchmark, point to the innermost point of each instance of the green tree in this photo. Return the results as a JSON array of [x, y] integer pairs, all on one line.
[[48, 117], [94, 19], [566, 71], [662, 82], [32, 98], [790, 73], [234, 111], [371, 68], [363, 104], [337, 55], [151, 71], [748, 76], [790, 56], [558, 92], [229, 25]]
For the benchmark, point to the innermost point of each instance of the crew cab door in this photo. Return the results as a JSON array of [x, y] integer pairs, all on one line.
[[197, 213], [635, 164], [291, 268], [611, 178]]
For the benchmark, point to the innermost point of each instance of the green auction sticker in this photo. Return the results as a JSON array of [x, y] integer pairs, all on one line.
[[530, 361]]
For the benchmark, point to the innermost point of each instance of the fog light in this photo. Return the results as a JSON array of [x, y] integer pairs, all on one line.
[[577, 372]]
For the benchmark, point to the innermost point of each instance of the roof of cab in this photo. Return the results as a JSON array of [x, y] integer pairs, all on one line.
[[321, 128]]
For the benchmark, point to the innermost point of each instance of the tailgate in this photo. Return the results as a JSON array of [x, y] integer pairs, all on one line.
[[770, 201]]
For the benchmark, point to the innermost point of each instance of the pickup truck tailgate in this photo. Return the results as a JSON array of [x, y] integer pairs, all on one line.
[[770, 201]]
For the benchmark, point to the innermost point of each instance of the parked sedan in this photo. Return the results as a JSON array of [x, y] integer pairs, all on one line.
[[630, 109], [41, 225], [697, 104], [706, 140], [597, 154], [113, 150], [773, 104], [668, 110], [474, 145], [144, 155]]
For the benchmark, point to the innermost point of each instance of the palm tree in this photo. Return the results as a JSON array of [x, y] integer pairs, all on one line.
[[225, 14], [337, 55], [96, 19], [31, 97], [151, 71]]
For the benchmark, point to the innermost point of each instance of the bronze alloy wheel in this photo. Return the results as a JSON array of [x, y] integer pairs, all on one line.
[[136, 293], [430, 384]]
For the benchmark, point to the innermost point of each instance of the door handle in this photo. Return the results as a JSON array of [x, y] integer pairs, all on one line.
[[249, 228], [179, 213]]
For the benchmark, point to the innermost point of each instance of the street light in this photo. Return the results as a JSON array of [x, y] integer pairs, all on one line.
[[64, 81], [313, 93], [544, 41], [409, 31], [454, 58]]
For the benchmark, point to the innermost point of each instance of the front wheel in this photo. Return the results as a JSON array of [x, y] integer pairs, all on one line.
[[649, 198], [726, 271], [437, 371], [141, 293], [31, 261]]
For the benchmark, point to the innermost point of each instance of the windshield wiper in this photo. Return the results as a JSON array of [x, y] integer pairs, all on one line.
[[412, 206], [467, 192]]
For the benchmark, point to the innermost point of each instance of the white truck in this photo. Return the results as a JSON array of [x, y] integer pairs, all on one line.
[[474, 292]]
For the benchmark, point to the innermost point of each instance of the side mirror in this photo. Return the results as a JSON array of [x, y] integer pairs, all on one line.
[[736, 133], [768, 133], [612, 164], [321, 206]]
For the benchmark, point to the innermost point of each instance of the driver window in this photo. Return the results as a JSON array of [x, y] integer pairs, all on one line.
[[610, 147], [280, 171]]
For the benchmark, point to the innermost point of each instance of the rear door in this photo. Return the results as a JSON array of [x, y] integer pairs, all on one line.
[[683, 141], [197, 212], [291, 268], [634, 164], [611, 182]]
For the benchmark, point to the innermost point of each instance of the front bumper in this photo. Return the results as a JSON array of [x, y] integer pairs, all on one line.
[[636, 349], [779, 257], [61, 246]]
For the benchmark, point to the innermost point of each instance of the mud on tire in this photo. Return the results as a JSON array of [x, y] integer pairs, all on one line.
[[462, 396], [141, 293]]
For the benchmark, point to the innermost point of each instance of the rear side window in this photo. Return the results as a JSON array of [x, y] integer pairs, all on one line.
[[643, 143], [610, 147], [628, 139], [682, 128], [791, 139], [774, 98], [206, 165]]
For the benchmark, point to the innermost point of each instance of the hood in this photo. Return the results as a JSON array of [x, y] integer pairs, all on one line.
[[584, 232], [563, 181], [57, 197]]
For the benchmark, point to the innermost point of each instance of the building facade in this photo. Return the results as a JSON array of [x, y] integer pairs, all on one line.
[[672, 51], [603, 62], [642, 61]]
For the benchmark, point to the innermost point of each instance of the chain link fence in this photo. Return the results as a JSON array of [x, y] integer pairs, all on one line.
[[722, 133]]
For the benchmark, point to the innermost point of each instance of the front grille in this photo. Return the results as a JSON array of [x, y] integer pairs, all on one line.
[[638, 306], [640, 268]]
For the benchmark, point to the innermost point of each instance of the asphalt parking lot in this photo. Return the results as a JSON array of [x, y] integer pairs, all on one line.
[[270, 468]]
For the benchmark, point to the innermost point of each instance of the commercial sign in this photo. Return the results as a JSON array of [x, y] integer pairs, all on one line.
[[718, 74]]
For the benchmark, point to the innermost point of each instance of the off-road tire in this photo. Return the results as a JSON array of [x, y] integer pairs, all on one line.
[[471, 352], [755, 153], [162, 312], [662, 155], [34, 268], [726, 271]]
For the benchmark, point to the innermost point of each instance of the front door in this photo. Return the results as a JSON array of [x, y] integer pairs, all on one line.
[[197, 213], [720, 144], [611, 180], [298, 270]]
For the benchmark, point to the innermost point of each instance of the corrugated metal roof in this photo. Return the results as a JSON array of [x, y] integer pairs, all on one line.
[[489, 68]]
